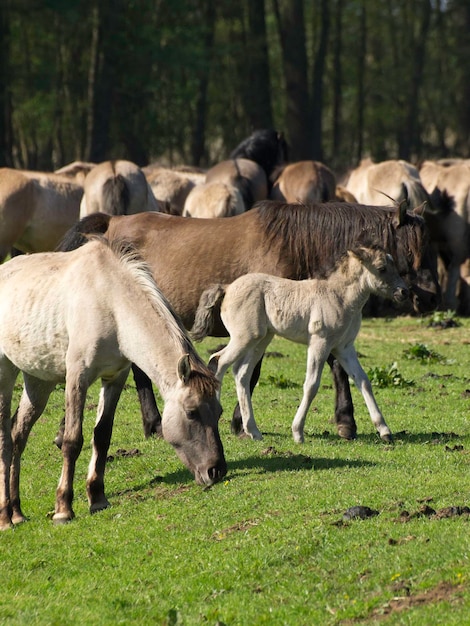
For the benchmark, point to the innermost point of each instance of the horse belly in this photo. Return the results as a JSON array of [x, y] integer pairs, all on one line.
[[42, 359]]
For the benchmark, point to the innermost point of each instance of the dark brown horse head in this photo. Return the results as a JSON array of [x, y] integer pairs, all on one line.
[[313, 235], [417, 259]]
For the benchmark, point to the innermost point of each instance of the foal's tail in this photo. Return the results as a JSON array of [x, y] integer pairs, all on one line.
[[210, 301], [76, 236]]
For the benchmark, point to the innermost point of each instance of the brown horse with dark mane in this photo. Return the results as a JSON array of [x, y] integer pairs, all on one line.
[[295, 241]]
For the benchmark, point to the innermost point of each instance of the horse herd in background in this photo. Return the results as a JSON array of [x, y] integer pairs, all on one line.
[[288, 220], [37, 208]]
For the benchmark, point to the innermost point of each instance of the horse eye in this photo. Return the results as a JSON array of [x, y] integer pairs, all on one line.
[[382, 269], [192, 414]]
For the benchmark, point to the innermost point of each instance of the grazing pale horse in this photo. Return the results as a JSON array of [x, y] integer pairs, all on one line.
[[117, 188], [83, 315], [36, 210], [448, 184], [303, 181], [377, 183], [172, 186], [215, 199], [324, 313], [246, 175]]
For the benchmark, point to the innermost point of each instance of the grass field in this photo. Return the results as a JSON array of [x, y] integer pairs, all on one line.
[[269, 544]]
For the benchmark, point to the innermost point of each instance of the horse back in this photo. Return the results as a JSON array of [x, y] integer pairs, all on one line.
[[187, 255]]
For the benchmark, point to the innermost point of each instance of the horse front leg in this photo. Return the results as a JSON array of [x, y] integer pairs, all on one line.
[[8, 376], [109, 397], [32, 404], [236, 425], [151, 418], [344, 409], [75, 395], [5, 461]]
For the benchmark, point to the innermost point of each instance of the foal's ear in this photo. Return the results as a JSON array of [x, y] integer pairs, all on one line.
[[184, 368], [360, 252]]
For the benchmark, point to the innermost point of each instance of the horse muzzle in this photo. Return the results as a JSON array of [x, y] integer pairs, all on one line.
[[401, 294], [206, 477]]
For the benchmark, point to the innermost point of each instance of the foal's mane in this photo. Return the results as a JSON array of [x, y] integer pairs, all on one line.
[[313, 235], [131, 261]]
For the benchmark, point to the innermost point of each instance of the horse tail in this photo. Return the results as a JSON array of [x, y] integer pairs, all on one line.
[[209, 302], [416, 194], [116, 196], [76, 236]]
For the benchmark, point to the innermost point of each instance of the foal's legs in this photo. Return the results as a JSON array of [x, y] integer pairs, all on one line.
[[316, 357], [8, 374], [344, 409], [236, 425], [32, 404], [244, 355], [350, 362], [109, 397]]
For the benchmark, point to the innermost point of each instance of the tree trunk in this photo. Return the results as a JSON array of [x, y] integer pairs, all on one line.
[[258, 91], [317, 92], [410, 138], [101, 78], [290, 21], [198, 139], [361, 104], [6, 133], [337, 82]]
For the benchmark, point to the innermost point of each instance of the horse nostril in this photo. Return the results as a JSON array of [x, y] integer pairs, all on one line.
[[216, 473]]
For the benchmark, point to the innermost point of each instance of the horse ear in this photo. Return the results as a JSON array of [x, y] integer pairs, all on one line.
[[184, 368], [360, 252], [419, 210], [401, 214]]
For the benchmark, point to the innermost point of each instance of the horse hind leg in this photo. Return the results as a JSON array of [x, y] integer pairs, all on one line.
[[109, 398], [243, 369], [236, 425], [32, 404]]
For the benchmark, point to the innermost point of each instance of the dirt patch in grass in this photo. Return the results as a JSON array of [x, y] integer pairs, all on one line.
[[443, 592]]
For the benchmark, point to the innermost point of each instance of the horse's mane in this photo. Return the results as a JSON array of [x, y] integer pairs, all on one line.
[[130, 259], [313, 235], [266, 147]]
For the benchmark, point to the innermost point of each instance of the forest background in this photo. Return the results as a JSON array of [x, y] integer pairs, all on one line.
[[183, 81]]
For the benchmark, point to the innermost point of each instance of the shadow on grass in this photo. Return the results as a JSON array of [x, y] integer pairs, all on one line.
[[271, 463], [271, 460]]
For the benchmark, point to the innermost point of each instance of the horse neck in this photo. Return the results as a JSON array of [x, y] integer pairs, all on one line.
[[350, 281], [153, 340]]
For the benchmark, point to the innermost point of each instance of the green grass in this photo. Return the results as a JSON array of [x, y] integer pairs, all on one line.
[[268, 544]]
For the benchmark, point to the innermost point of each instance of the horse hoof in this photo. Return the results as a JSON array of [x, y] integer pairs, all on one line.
[[236, 428], [387, 438], [18, 519], [99, 506], [346, 432], [61, 518]]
